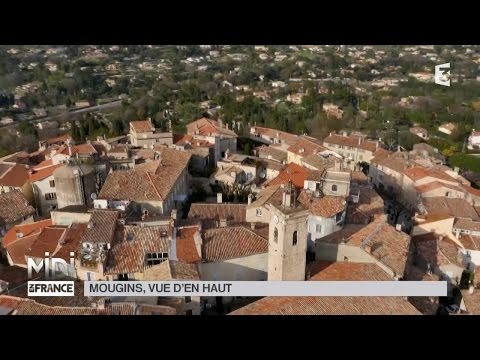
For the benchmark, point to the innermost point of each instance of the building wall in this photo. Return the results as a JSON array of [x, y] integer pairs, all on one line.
[[358, 155], [329, 226], [471, 258], [67, 218], [252, 216], [40, 188], [441, 227], [82, 272], [248, 268], [343, 188]]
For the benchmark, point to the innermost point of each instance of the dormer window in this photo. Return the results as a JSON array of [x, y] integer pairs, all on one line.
[[334, 188]]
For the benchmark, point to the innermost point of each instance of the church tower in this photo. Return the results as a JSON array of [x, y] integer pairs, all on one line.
[[287, 237]]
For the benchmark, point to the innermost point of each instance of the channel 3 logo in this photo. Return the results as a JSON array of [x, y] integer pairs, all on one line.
[[442, 74]]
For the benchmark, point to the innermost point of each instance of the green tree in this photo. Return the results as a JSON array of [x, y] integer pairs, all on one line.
[[247, 149]]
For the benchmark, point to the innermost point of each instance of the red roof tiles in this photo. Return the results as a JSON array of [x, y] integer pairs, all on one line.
[[186, 248], [208, 127], [14, 207], [142, 126], [292, 171], [16, 176], [44, 173]]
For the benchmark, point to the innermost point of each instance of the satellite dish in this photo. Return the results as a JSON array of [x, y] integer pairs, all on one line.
[[93, 196]]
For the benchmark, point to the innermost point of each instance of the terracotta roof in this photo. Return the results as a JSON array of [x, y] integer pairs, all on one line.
[[306, 146], [185, 139], [466, 224], [369, 206], [416, 173], [47, 241], [381, 240], [43, 164], [18, 248], [142, 126], [172, 270], [25, 229], [131, 246], [436, 250], [14, 207], [293, 172], [470, 242], [332, 305], [273, 133], [30, 307], [44, 172], [16, 176], [320, 162], [352, 141], [425, 188], [359, 178], [325, 206], [232, 242], [4, 168], [264, 196], [207, 127], [150, 181], [270, 152], [82, 149], [102, 226], [71, 241], [450, 206], [186, 249], [206, 211], [13, 276], [471, 190]]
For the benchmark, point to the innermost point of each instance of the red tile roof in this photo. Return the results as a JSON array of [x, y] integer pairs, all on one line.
[[47, 241], [186, 249], [235, 213], [102, 226], [425, 188], [450, 206], [82, 149], [16, 176], [59, 139], [292, 171], [352, 141], [43, 164], [470, 242], [17, 249], [172, 270], [331, 305], [416, 173], [466, 224], [20, 306], [306, 146], [44, 173], [185, 139], [207, 127], [369, 207], [232, 242], [325, 206], [131, 246], [14, 207], [142, 126], [283, 136]]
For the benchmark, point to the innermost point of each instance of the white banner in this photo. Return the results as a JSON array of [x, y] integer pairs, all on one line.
[[265, 288]]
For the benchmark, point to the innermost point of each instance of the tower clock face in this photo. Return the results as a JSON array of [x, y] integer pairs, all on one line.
[[275, 218]]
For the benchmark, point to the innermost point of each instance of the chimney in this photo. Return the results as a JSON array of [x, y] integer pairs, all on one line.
[[252, 226], [250, 197], [359, 140], [471, 289], [223, 222], [219, 198], [69, 149], [19, 234], [456, 169], [197, 238], [398, 227]]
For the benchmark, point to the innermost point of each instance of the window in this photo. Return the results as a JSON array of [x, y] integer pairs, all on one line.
[[188, 299], [318, 228], [52, 183], [334, 188], [259, 212], [156, 258], [295, 238], [447, 194], [275, 235], [123, 277], [51, 196], [338, 217]]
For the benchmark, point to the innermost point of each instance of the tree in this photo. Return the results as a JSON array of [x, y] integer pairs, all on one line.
[[247, 149]]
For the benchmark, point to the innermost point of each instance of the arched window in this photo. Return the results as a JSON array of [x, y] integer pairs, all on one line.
[[334, 187], [275, 235], [295, 238]]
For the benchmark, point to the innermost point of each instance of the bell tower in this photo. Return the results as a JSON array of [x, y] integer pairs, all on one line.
[[287, 238]]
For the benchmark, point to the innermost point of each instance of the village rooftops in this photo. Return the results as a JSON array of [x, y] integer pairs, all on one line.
[[324, 206], [369, 206], [150, 181], [232, 242], [307, 145], [283, 136], [352, 141], [296, 173], [14, 176], [331, 305], [43, 172], [209, 127], [186, 140], [450, 206], [172, 270], [142, 126], [235, 213], [271, 153], [185, 243], [132, 246], [14, 207], [101, 227]]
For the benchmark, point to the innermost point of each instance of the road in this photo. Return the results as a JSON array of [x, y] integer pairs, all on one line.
[[79, 111]]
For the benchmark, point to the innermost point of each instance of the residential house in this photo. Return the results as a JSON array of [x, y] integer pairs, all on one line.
[[333, 110], [271, 153], [307, 146], [329, 305], [154, 187], [216, 133], [143, 134], [43, 185], [14, 210], [428, 152], [447, 128], [354, 148], [203, 154], [420, 132], [248, 166], [272, 136], [15, 178], [365, 205], [58, 140], [229, 175], [214, 214], [295, 173], [378, 242]]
